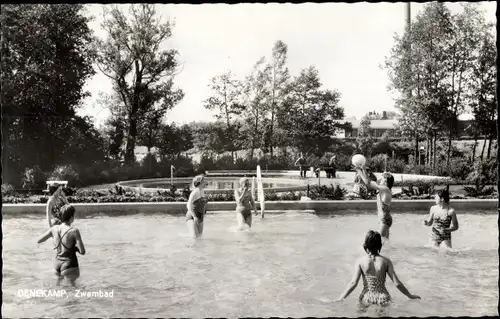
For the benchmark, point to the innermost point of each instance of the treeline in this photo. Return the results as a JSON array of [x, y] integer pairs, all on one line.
[[442, 67], [49, 52]]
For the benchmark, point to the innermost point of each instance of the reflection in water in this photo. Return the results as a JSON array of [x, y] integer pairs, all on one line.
[[285, 267]]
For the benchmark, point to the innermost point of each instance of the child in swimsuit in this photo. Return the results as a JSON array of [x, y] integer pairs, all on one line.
[[196, 206], [54, 204], [384, 198], [244, 204], [67, 242], [441, 216], [373, 268]]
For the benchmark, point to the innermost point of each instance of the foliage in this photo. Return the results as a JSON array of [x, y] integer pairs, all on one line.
[[64, 173], [225, 101], [7, 190], [435, 69], [309, 114], [141, 72], [330, 192], [175, 140], [46, 60], [279, 78], [33, 178]]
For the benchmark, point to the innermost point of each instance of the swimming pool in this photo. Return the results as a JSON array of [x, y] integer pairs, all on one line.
[[289, 266]]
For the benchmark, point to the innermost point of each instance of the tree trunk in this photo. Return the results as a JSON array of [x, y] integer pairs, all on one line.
[[132, 133], [474, 149], [489, 146], [484, 146], [434, 154], [417, 154]]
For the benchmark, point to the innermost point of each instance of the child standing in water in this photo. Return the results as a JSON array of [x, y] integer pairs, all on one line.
[[244, 204], [67, 242], [196, 206], [373, 268], [384, 198], [442, 216]]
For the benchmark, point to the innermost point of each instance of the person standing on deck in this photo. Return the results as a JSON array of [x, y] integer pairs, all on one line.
[[301, 163]]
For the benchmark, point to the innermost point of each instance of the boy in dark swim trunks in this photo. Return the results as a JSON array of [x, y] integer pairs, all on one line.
[[67, 242]]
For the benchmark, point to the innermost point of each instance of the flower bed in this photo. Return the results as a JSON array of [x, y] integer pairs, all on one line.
[[420, 189]]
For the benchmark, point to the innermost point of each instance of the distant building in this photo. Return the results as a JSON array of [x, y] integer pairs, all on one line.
[[377, 128]]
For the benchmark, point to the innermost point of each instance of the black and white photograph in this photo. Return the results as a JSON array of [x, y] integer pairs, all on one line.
[[249, 160]]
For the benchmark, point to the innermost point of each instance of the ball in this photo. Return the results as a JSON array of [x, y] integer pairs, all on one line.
[[358, 160]]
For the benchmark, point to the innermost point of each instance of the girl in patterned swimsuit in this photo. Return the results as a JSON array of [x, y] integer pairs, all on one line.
[[196, 206], [442, 216], [373, 268], [68, 242], [54, 204], [384, 198], [244, 204]]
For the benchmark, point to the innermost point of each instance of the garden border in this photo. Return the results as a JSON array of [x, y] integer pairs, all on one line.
[[330, 207]]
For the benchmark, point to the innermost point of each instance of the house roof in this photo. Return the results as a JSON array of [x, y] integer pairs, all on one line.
[[380, 124]]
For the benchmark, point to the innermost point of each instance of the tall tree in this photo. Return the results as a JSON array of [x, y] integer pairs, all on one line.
[[46, 59], [482, 96], [175, 140], [141, 71], [225, 101], [364, 139], [309, 114], [279, 78], [256, 99], [442, 47]]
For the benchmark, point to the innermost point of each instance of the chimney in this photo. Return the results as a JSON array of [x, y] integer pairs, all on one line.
[[384, 115]]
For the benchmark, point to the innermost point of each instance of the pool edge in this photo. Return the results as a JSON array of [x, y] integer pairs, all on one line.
[[340, 207]]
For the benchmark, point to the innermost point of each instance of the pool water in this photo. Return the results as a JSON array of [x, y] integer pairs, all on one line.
[[213, 184], [290, 265]]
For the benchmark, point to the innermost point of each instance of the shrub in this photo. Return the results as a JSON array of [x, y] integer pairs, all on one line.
[[7, 190], [421, 186], [65, 173], [327, 192], [33, 178]]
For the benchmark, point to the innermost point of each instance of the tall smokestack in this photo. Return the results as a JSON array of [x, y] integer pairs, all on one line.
[[408, 14]]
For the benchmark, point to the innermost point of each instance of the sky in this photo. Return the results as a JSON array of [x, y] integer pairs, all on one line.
[[347, 43]]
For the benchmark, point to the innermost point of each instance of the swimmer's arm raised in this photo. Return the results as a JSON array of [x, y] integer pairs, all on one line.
[[50, 203], [399, 284], [454, 222], [79, 242], [353, 283], [368, 182], [45, 236]]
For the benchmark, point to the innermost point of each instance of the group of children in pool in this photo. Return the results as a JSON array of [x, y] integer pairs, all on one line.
[[372, 267]]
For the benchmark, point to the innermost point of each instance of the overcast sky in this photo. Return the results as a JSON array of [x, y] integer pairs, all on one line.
[[346, 42]]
